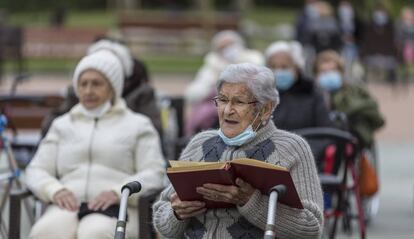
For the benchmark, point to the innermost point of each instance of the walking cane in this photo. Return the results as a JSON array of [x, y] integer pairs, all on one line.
[[127, 190], [275, 192]]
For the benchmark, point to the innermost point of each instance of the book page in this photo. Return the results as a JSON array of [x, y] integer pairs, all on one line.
[[185, 166], [257, 163], [177, 163]]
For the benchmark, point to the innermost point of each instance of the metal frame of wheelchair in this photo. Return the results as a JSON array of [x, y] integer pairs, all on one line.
[[342, 183]]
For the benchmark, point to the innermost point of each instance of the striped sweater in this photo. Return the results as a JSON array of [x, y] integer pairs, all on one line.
[[248, 221]]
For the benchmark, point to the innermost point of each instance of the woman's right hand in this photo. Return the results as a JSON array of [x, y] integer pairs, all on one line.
[[65, 199], [186, 209]]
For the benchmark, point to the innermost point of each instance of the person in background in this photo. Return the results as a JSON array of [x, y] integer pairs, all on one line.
[[378, 47], [324, 31], [405, 39], [137, 91], [301, 102], [227, 47], [246, 98], [351, 27], [308, 13], [89, 153], [361, 109]]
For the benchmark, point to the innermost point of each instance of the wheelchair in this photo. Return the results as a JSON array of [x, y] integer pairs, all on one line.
[[339, 180]]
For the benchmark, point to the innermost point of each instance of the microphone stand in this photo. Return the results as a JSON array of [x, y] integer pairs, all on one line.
[[275, 192], [127, 190]]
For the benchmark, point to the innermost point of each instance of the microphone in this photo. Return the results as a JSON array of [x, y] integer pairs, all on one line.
[[275, 192], [126, 191]]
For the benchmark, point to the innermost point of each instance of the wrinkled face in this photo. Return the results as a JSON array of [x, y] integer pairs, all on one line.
[[93, 89], [236, 109], [281, 61]]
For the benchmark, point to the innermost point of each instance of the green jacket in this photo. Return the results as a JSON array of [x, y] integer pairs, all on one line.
[[362, 111]]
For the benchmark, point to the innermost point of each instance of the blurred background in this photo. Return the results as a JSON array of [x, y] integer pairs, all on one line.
[[41, 42]]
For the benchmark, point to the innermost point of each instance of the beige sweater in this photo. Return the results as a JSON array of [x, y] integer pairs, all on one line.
[[89, 156], [249, 221]]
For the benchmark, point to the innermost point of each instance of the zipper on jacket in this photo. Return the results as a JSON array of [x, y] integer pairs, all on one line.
[[88, 175]]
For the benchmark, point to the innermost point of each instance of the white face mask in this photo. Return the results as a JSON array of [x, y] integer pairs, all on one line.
[[97, 112], [346, 12], [232, 52]]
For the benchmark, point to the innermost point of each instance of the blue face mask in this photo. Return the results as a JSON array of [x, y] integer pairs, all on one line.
[[330, 81], [380, 18], [284, 79], [246, 136]]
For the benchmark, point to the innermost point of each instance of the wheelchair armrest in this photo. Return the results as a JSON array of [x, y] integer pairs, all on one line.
[[146, 229], [327, 133], [16, 197]]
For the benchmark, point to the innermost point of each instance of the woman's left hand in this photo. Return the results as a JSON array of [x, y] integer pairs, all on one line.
[[103, 201], [238, 195]]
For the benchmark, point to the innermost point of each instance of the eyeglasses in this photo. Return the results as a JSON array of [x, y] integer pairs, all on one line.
[[235, 102]]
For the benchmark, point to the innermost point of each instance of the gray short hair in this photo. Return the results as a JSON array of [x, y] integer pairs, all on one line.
[[259, 80], [220, 36]]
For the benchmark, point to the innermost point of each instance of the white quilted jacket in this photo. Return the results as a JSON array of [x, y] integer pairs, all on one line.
[[88, 156]]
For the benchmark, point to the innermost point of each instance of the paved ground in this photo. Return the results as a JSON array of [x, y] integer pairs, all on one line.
[[395, 147]]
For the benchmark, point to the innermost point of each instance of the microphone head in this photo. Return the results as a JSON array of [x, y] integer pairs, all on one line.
[[133, 187]]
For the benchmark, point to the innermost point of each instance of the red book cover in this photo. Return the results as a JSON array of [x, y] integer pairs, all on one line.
[[187, 176]]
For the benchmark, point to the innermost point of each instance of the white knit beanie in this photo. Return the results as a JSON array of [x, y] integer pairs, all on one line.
[[107, 64], [120, 50], [293, 48]]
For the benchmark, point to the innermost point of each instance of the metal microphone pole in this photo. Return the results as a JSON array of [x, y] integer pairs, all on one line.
[[127, 190], [275, 192]]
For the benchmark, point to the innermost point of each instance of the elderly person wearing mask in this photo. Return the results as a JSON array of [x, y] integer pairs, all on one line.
[[89, 153], [246, 98], [361, 109], [228, 47], [301, 103]]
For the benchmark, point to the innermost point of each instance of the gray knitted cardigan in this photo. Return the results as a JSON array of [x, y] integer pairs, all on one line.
[[248, 221]]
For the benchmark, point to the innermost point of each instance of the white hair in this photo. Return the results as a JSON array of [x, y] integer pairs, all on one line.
[[220, 36], [292, 48], [259, 80]]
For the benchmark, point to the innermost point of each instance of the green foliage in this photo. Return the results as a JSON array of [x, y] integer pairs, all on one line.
[[155, 63], [269, 16]]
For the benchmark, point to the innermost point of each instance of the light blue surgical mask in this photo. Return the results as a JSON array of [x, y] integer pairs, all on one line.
[[231, 53], [330, 81], [380, 17], [245, 137], [284, 79]]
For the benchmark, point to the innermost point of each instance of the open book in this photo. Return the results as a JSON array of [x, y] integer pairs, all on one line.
[[186, 176]]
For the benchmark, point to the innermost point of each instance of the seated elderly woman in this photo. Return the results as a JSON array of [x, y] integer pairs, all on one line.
[[361, 109], [301, 102], [89, 153], [246, 99]]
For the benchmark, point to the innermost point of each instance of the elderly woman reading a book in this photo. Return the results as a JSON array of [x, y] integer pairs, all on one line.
[[246, 98]]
